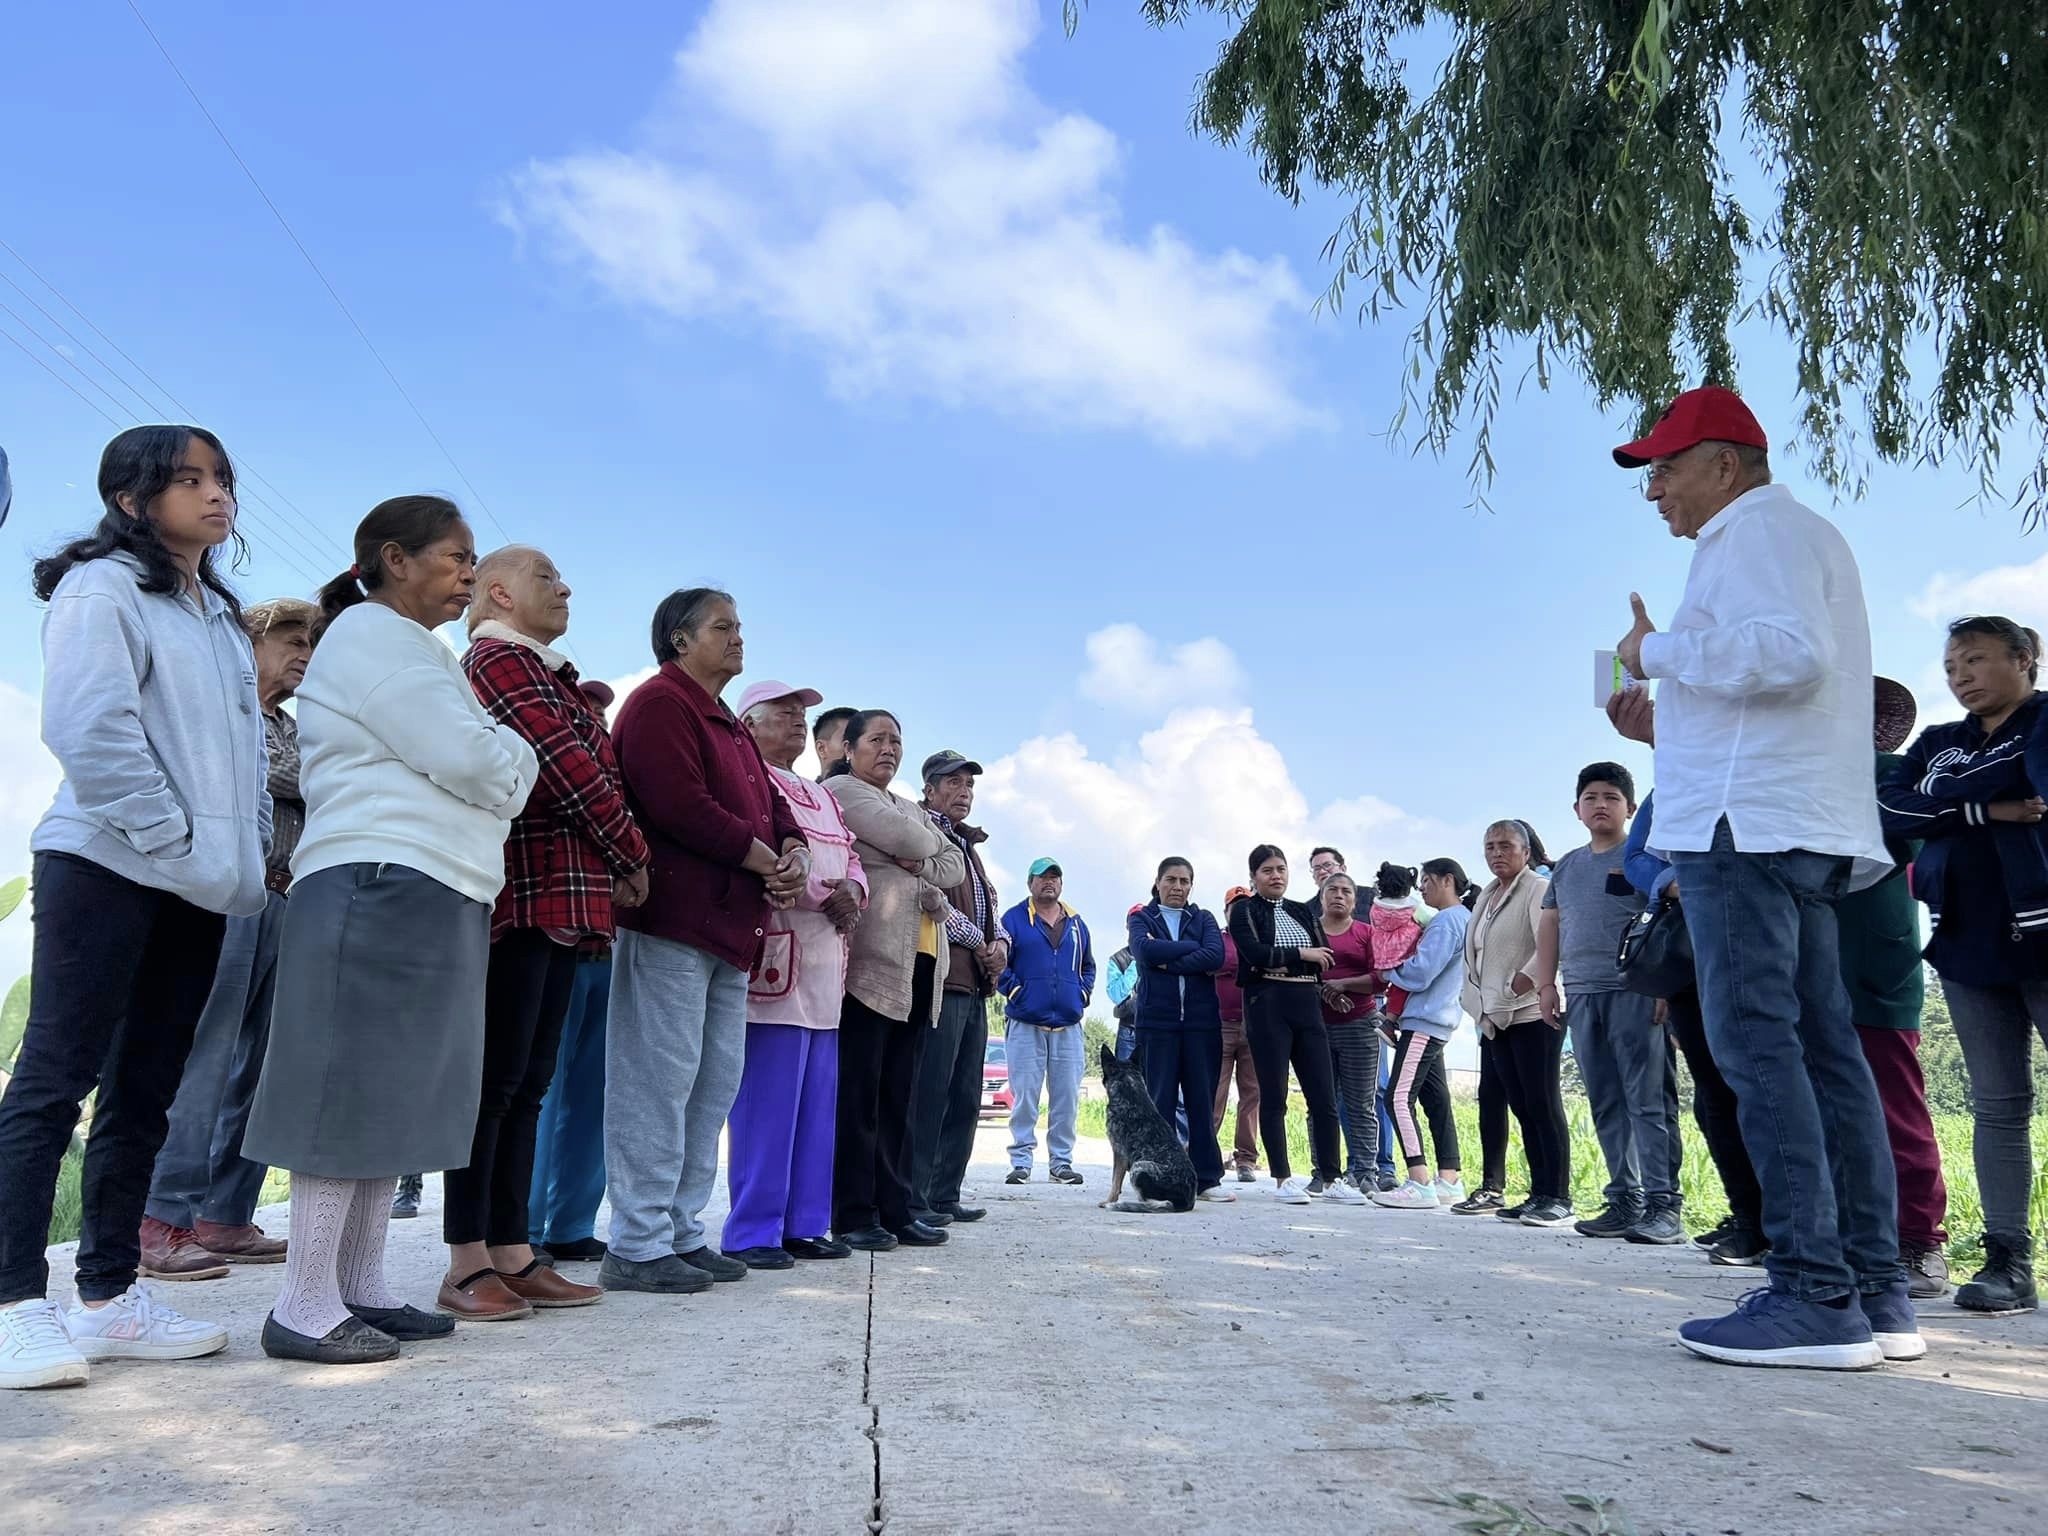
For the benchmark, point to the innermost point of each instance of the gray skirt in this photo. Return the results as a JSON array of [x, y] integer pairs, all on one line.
[[375, 1064]]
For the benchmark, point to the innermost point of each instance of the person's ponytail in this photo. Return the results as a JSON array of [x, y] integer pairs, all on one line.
[[345, 591], [413, 523]]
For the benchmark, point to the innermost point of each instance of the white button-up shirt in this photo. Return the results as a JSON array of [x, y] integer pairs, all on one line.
[[1765, 698]]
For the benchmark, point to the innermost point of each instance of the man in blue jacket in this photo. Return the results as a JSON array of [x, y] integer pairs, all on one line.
[[1046, 988]]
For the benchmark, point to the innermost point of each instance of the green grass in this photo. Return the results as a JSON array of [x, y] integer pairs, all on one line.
[[1705, 1203]]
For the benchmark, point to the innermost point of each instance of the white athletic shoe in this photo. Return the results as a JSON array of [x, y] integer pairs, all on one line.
[[1218, 1194], [1411, 1195], [1293, 1191], [1449, 1191], [35, 1349], [139, 1325], [1343, 1192]]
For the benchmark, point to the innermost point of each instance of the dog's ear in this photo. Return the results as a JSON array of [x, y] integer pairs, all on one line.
[[1108, 1060]]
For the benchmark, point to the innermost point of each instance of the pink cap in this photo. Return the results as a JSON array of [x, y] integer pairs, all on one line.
[[769, 688]]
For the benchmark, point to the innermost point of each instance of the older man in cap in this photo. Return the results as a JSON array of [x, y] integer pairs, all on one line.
[[780, 1132], [203, 1193], [1045, 987], [1767, 810], [945, 1097]]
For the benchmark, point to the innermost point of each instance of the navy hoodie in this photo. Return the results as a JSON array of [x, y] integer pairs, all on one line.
[[1176, 977]]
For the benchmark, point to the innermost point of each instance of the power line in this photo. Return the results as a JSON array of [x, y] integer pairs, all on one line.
[[332, 292], [53, 373]]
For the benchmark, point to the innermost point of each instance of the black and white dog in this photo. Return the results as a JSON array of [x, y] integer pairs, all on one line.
[[1143, 1145]]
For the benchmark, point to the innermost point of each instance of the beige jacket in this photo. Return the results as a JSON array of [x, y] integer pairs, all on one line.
[[1500, 944], [882, 959]]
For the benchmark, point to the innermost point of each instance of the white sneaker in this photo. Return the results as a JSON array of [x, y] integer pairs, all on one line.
[[1342, 1192], [1293, 1192], [1411, 1195], [139, 1325], [35, 1349], [1449, 1191], [1217, 1193]]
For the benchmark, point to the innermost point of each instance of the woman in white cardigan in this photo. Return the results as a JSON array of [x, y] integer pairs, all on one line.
[[1500, 995], [376, 1042]]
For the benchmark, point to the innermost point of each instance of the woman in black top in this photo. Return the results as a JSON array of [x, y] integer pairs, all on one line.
[[1972, 790], [1281, 956]]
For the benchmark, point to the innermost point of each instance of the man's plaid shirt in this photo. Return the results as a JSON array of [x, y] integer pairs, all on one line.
[[575, 835]]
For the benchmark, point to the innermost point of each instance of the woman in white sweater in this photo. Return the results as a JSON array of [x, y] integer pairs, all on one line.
[[376, 1041]]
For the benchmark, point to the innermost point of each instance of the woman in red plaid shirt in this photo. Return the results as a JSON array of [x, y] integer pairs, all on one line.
[[571, 854]]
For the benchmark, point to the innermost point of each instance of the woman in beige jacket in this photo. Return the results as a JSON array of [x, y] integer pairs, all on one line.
[[892, 986], [1500, 949]]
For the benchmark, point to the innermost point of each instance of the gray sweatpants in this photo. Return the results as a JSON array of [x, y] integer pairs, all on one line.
[[675, 1044], [1621, 1055]]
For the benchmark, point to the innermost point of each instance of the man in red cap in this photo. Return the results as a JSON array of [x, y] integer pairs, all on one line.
[[1767, 811]]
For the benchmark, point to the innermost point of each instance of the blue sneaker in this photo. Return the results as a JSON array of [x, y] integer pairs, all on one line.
[[1893, 1322], [1770, 1327]]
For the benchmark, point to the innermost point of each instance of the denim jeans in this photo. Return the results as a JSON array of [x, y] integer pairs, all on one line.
[[1996, 1027], [1387, 1142], [201, 1174], [1049, 1059], [568, 1148], [1777, 1017], [1621, 1055]]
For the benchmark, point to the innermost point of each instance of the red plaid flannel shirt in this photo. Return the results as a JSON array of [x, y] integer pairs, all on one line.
[[575, 835]]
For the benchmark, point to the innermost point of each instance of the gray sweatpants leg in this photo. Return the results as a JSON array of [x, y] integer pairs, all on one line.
[[1590, 1016]]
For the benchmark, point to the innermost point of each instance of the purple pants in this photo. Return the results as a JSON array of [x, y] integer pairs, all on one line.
[[779, 1137]]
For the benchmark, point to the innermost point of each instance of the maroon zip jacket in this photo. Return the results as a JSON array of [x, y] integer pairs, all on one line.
[[699, 789]]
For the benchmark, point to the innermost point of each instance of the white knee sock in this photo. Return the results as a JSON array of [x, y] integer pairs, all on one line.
[[361, 1268], [311, 1303]]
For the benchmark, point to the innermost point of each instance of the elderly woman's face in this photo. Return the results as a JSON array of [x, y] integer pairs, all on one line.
[[1271, 878], [1340, 898], [879, 752], [1985, 675], [714, 647], [1506, 854]]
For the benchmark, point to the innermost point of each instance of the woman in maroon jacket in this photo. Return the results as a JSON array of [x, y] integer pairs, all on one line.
[[725, 849]]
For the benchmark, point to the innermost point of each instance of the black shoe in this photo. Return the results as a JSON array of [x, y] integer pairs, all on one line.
[[405, 1204], [816, 1248], [1546, 1213], [2005, 1283], [1715, 1233], [962, 1212], [714, 1264], [407, 1322], [352, 1342], [1740, 1248], [1613, 1221], [918, 1235], [870, 1239], [1386, 1184], [1064, 1174], [1660, 1226], [933, 1218], [665, 1276], [1926, 1272], [1017, 1176], [581, 1250], [762, 1258], [1481, 1202], [1513, 1212]]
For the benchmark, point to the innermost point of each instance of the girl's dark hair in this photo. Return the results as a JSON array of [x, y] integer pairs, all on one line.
[[1264, 852], [2021, 640], [856, 728], [1467, 891], [683, 609], [140, 464], [1539, 856], [1173, 862], [413, 523], [1395, 881]]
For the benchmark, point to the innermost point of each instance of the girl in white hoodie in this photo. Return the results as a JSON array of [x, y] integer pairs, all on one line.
[[155, 838]]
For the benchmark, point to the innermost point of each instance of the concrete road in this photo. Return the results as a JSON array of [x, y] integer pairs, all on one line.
[[1056, 1368]]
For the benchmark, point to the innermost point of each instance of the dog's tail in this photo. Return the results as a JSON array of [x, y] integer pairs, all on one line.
[[1149, 1175]]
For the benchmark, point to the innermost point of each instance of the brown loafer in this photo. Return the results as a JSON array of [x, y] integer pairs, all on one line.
[[173, 1253], [545, 1288], [246, 1244], [481, 1298]]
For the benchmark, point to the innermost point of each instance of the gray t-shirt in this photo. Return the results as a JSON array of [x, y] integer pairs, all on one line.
[[1594, 902]]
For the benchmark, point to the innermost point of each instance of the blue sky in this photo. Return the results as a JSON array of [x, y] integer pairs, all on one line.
[[931, 333]]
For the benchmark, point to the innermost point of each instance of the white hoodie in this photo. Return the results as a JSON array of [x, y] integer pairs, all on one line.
[[399, 763]]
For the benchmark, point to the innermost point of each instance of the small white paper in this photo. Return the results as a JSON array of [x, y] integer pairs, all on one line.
[[1610, 677]]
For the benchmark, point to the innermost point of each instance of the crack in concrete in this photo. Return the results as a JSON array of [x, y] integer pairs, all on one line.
[[876, 1519]]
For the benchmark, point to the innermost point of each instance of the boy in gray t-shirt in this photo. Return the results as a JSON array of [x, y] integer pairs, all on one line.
[[1624, 1056]]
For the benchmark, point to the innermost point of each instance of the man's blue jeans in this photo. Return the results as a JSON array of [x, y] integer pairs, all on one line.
[[568, 1143], [1048, 1059], [1777, 1019]]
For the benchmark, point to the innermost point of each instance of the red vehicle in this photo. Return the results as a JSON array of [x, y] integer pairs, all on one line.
[[995, 1080]]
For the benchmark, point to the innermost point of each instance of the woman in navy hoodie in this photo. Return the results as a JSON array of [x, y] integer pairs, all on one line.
[[1177, 949], [1972, 790]]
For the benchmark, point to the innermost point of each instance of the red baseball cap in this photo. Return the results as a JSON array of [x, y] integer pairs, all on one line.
[[1709, 414]]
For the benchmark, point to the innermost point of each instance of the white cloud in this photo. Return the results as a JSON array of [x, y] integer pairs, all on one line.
[[2017, 591], [1127, 670], [878, 184]]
